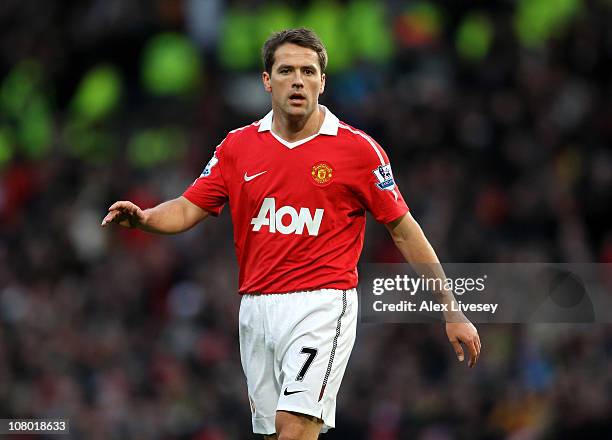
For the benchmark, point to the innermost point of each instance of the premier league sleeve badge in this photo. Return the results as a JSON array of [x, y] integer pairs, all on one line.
[[384, 176]]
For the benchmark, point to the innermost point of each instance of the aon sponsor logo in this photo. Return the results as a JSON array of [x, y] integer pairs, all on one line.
[[287, 220]]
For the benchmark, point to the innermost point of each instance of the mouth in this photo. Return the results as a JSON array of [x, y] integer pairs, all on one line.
[[297, 98]]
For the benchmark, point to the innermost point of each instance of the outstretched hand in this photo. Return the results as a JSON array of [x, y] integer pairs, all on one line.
[[466, 333], [125, 214]]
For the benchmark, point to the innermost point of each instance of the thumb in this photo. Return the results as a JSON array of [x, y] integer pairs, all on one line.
[[458, 350]]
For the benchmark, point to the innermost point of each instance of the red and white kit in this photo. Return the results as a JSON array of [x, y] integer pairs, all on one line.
[[298, 210]]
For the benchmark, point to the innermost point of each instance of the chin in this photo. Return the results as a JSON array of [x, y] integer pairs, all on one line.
[[297, 111]]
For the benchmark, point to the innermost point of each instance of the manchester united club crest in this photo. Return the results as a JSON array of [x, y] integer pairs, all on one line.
[[322, 173]]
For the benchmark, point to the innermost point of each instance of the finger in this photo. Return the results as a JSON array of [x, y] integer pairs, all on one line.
[[458, 350], [115, 216], [109, 217], [115, 205], [122, 204], [473, 353], [477, 343]]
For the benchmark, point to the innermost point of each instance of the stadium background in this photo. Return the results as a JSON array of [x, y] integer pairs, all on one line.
[[497, 116]]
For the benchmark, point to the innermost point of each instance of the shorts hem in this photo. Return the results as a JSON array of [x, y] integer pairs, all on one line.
[[264, 425], [327, 424]]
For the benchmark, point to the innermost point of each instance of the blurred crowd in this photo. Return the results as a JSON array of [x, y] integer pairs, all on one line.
[[500, 144]]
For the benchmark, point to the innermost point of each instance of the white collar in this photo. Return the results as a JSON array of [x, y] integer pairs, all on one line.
[[329, 126]]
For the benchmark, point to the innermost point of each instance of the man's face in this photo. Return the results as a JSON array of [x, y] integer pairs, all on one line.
[[295, 80]]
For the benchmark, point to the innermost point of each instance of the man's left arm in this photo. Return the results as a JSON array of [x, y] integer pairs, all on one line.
[[414, 246]]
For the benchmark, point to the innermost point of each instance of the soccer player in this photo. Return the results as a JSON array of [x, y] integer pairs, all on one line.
[[299, 183]]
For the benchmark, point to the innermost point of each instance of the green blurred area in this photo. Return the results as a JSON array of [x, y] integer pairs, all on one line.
[[98, 94], [90, 143], [6, 145], [420, 25], [357, 31], [19, 86], [536, 21], [272, 17], [474, 36], [171, 67], [325, 18], [370, 35], [36, 127], [97, 98], [236, 41], [26, 110], [155, 146]]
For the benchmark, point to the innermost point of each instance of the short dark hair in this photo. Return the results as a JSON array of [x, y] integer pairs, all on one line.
[[301, 37]]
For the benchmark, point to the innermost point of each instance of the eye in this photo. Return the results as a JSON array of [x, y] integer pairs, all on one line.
[[309, 71], [284, 70]]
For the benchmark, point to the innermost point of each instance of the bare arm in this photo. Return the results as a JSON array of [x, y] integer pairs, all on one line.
[[171, 217], [414, 246]]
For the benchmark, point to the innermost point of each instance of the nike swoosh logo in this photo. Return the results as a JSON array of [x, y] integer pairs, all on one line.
[[288, 393], [249, 178]]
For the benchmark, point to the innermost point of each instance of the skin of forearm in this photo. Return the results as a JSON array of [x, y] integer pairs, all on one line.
[[418, 252], [166, 218]]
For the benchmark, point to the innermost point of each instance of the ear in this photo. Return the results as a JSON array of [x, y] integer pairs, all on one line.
[[265, 77], [322, 89]]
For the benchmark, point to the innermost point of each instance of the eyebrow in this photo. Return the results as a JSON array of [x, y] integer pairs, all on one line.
[[311, 66]]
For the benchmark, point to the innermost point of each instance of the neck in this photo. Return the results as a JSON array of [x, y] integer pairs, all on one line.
[[295, 129]]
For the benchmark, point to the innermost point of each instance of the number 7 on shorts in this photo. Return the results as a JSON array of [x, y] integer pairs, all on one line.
[[311, 352]]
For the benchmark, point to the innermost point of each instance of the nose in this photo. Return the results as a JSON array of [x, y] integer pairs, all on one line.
[[297, 79]]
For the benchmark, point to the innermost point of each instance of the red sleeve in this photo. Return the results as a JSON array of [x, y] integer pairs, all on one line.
[[209, 191], [375, 185]]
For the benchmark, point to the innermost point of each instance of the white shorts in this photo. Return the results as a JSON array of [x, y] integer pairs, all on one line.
[[294, 348]]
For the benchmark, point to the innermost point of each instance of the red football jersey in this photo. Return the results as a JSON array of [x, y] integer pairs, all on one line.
[[298, 208]]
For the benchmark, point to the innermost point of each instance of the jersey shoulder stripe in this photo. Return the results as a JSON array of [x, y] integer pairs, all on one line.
[[231, 132], [374, 146], [236, 135], [236, 130], [372, 143]]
